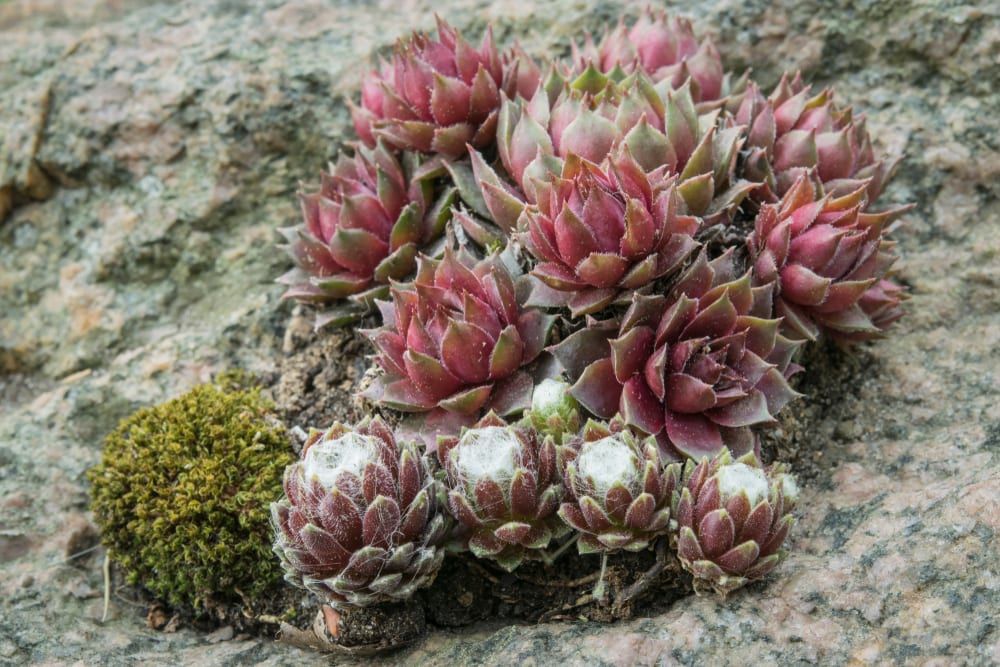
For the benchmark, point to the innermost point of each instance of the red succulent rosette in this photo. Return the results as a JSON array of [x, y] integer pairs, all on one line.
[[362, 228], [456, 340], [828, 259], [733, 518], [360, 522], [440, 94], [698, 368], [618, 492], [592, 116], [503, 489], [792, 132], [665, 48], [600, 231]]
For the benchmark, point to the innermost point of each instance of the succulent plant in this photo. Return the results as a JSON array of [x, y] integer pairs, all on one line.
[[790, 133], [663, 47], [697, 231], [599, 232], [456, 340], [824, 254], [440, 94], [362, 228], [701, 367], [553, 410], [618, 492], [592, 114], [504, 490], [360, 522], [733, 518], [882, 303]]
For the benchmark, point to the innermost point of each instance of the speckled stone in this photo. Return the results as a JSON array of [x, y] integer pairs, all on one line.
[[148, 151]]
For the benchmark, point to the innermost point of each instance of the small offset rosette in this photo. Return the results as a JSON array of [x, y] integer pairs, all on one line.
[[664, 47], [733, 518], [618, 493], [362, 228], [828, 260], [504, 490], [360, 523], [553, 410], [439, 94]]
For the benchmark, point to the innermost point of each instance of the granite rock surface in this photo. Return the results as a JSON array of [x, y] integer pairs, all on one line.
[[148, 151]]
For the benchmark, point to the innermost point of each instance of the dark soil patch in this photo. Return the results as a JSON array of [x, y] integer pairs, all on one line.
[[810, 426], [469, 591], [319, 374]]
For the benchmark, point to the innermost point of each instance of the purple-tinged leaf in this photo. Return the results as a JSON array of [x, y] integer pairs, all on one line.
[[594, 514], [640, 408], [640, 512], [716, 533], [738, 559], [341, 518], [462, 510], [523, 495], [597, 389], [381, 522]]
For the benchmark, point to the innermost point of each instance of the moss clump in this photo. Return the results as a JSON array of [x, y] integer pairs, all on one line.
[[183, 490]]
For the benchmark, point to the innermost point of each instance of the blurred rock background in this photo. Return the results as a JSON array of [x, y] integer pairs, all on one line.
[[149, 149]]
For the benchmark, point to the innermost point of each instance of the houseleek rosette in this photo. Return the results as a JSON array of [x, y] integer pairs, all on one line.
[[360, 522], [503, 489], [733, 518]]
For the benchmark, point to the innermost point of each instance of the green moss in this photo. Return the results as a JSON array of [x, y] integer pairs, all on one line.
[[182, 494]]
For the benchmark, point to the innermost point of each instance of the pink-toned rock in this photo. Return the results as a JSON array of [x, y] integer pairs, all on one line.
[[149, 150]]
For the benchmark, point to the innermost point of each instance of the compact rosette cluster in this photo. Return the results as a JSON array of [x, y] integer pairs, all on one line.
[[360, 522], [632, 238], [366, 519]]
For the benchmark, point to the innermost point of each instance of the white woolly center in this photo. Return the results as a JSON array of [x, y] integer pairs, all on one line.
[[789, 489], [328, 458], [548, 395], [737, 477], [486, 453], [607, 461]]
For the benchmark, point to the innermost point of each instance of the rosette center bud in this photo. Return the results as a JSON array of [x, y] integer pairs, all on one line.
[[489, 452], [739, 478], [327, 459], [607, 462]]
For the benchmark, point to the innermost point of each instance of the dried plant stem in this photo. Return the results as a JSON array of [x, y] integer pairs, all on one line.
[[599, 588], [647, 578], [573, 583], [548, 559], [107, 587]]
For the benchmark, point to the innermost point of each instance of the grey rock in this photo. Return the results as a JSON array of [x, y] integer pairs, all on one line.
[[149, 151]]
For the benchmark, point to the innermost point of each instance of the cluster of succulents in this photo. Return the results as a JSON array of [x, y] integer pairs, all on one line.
[[631, 238], [586, 283], [367, 519]]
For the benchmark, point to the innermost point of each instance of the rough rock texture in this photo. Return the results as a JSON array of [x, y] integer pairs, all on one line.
[[149, 150]]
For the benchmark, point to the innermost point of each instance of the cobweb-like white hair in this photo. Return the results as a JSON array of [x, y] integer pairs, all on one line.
[[736, 477], [326, 459], [489, 452], [607, 461]]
